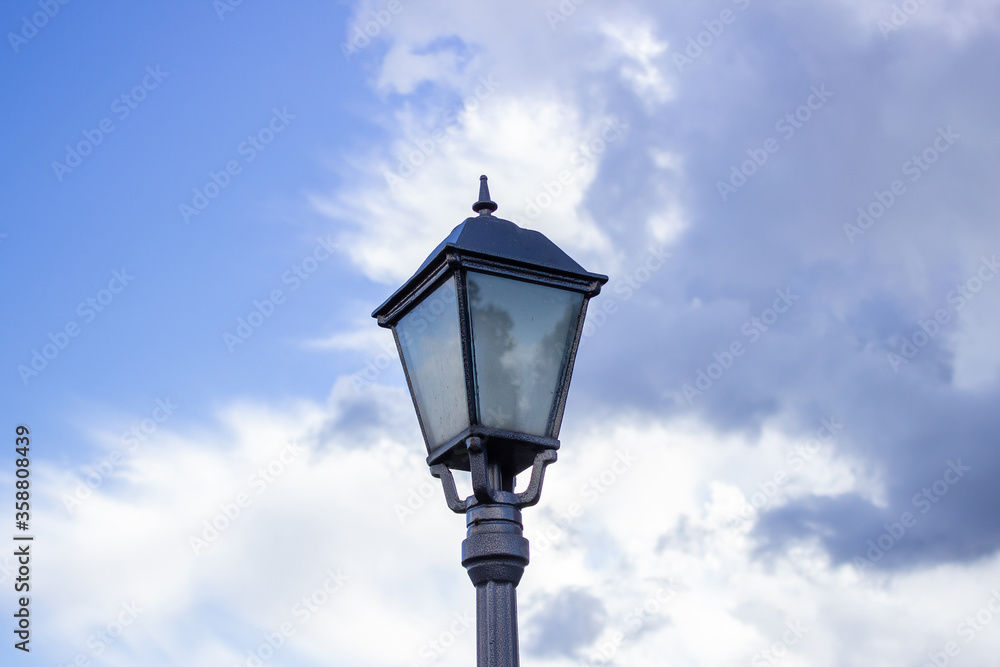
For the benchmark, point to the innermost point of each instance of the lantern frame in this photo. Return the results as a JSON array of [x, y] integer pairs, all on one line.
[[493, 246]]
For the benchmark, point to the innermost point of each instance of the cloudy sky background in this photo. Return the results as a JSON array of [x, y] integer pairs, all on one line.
[[826, 496]]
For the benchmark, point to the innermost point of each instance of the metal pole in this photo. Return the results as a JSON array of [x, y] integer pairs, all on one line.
[[495, 554]]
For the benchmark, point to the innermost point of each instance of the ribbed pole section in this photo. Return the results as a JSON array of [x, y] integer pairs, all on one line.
[[495, 555], [496, 612]]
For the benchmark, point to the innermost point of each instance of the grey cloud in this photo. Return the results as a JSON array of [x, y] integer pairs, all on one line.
[[565, 624], [784, 228]]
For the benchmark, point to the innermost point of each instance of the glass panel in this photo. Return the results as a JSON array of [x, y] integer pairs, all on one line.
[[432, 350], [521, 332]]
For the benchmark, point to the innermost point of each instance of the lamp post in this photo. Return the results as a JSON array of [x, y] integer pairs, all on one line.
[[487, 331]]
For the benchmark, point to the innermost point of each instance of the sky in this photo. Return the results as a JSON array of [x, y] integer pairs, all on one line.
[[780, 444]]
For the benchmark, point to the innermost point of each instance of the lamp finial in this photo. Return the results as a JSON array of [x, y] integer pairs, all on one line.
[[484, 206]]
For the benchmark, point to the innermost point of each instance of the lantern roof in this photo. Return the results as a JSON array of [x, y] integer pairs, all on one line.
[[486, 235]]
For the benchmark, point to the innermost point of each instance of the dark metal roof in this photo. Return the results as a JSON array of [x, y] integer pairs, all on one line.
[[489, 236], [497, 237]]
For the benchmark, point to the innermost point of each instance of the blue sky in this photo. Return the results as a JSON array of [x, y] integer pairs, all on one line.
[[221, 82], [780, 444]]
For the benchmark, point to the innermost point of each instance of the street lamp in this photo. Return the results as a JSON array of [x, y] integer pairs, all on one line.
[[487, 330]]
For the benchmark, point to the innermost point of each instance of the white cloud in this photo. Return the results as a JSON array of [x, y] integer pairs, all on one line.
[[525, 118], [655, 501], [524, 145], [641, 49], [664, 521]]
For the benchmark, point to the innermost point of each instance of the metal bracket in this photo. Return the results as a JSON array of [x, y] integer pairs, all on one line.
[[486, 486], [531, 494], [455, 504]]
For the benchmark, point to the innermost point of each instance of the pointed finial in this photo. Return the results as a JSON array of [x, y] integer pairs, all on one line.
[[484, 206]]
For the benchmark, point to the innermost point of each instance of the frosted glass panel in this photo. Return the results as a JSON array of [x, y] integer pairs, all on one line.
[[432, 349], [521, 332]]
